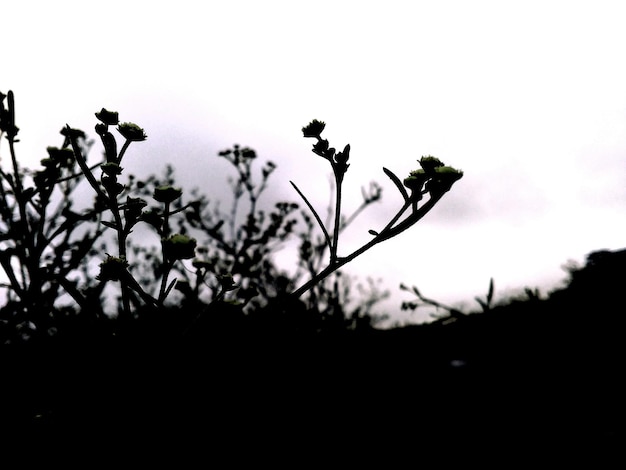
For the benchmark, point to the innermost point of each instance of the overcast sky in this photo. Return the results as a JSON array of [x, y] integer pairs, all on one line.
[[528, 98]]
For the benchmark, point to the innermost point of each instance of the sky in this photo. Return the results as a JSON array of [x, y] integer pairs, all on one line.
[[528, 98]]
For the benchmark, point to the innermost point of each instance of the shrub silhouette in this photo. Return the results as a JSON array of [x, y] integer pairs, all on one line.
[[49, 248]]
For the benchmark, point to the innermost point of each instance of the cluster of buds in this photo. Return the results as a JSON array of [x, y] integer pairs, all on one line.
[[130, 131], [238, 154], [434, 177], [338, 160]]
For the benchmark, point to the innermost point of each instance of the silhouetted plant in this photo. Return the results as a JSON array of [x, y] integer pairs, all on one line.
[[206, 256], [433, 178], [331, 296], [234, 246], [43, 240], [449, 312], [238, 238]]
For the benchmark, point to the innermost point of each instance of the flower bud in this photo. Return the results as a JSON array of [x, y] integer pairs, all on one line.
[[112, 185], [48, 163], [101, 129], [226, 282], [111, 169], [134, 206], [108, 117], [7, 115], [342, 157], [321, 147], [248, 153], [64, 157]]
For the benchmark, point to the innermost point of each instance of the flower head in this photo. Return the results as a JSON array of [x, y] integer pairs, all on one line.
[[313, 129], [152, 217], [132, 132], [248, 153], [112, 269], [434, 177], [167, 193], [444, 178], [179, 246], [416, 179], [429, 163], [72, 133], [202, 264]]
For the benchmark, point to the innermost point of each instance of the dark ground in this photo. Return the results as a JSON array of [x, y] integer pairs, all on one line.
[[529, 375]]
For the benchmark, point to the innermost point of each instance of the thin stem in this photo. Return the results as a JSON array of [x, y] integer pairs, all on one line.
[[5, 261], [84, 168], [336, 229], [129, 281], [315, 214], [396, 217], [30, 261], [416, 215], [388, 232], [167, 265], [123, 151], [76, 175]]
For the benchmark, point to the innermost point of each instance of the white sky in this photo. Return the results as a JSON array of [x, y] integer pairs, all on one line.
[[527, 97]]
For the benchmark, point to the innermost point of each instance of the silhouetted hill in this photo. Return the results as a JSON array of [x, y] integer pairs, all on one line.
[[531, 370]]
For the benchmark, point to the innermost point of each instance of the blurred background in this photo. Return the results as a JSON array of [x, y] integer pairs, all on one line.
[[527, 98]]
